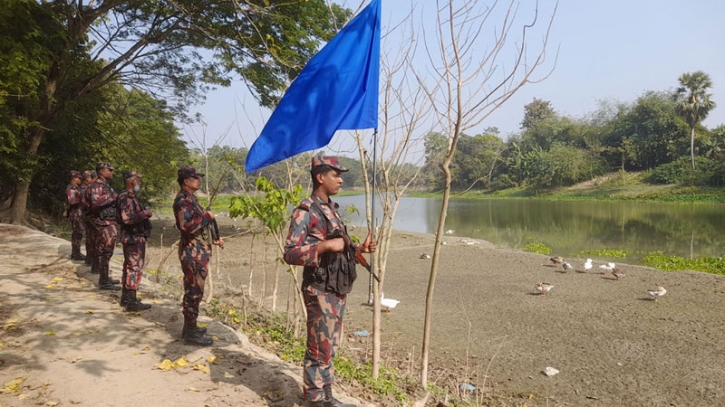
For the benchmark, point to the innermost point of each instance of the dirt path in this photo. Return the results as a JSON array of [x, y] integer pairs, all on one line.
[[66, 343]]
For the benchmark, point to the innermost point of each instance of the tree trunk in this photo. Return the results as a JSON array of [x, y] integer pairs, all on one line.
[[20, 197], [692, 146]]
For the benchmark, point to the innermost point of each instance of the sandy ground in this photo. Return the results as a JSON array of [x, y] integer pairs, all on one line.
[[65, 343], [613, 345]]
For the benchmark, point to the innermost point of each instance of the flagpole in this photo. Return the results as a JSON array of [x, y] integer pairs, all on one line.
[[372, 214]]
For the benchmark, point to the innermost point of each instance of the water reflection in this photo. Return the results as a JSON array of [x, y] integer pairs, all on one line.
[[688, 230]]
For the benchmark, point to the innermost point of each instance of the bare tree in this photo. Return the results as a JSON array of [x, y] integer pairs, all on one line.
[[470, 78]]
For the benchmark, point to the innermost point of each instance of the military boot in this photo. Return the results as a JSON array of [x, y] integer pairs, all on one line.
[[194, 327], [330, 401], [104, 283], [193, 335], [134, 304], [124, 297], [76, 254]]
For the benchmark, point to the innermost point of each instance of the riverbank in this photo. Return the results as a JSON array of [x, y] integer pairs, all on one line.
[[612, 344]]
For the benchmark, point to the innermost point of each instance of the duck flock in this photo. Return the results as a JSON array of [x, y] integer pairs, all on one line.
[[606, 269]]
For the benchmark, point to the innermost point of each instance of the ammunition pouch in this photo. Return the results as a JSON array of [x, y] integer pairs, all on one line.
[[142, 229], [107, 213], [336, 272]]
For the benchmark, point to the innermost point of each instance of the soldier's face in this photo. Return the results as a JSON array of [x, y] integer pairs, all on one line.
[[331, 181], [106, 173], [194, 183]]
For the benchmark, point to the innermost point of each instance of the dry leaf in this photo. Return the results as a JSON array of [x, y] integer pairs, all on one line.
[[22, 396], [211, 359], [58, 279], [13, 386], [145, 349], [193, 389], [228, 375], [89, 311], [77, 334], [166, 365], [202, 368], [52, 403], [50, 286], [50, 333], [11, 325], [181, 362]]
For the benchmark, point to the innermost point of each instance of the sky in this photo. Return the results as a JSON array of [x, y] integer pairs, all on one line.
[[607, 50]]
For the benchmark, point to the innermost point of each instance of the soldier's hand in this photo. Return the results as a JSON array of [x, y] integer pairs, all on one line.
[[336, 245], [219, 243], [209, 214], [369, 245], [148, 213]]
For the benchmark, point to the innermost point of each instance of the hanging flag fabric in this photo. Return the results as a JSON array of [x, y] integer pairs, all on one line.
[[336, 90]]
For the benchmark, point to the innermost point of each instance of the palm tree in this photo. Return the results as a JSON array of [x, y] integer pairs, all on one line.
[[693, 102]]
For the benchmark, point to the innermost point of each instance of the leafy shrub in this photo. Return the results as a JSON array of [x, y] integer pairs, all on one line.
[[680, 172], [537, 248], [502, 182]]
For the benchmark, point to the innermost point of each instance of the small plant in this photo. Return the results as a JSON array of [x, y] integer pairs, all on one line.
[[712, 265], [537, 248], [611, 253]]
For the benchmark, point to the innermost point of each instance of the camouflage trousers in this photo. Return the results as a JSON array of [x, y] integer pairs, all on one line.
[[105, 241], [324, 332], [90, 240], [76, 236], [194, 256], [134, 257]]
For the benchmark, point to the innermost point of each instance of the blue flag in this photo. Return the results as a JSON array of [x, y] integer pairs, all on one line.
[[336, 90]]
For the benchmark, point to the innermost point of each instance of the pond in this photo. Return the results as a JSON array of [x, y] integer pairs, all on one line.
[[568, 227]]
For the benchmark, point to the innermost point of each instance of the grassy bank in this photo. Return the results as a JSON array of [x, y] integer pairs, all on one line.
[[612, 187]]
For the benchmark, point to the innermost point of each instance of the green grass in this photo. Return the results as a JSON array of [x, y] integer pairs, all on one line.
[[712, 265]]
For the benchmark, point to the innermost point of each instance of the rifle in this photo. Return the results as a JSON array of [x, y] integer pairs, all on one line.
[[359, 258]]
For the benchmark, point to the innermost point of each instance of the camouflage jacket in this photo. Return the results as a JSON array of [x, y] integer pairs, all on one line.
[[131, 217], [307, 229], [73, 195], [98, 198], [189, 215]]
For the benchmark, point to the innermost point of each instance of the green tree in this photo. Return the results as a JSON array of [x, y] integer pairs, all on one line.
[[156, 46], [537, 111], [693, 102]]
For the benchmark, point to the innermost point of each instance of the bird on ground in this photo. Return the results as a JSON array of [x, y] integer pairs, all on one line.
[[567, 266], [658, 292], [544, 288], [388, 303], [449, 232], [425, 256], [607, 268], [588, 266], [557, 259], [617, 273]]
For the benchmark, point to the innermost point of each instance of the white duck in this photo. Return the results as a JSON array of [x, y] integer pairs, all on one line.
[[658, 292], [388, 303], [588, 266], [608, 267]]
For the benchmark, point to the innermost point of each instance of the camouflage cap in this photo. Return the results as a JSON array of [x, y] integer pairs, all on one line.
[[189, 172], [327, 161], [101, 165], [75, 174], [89, 174], [130, 174]]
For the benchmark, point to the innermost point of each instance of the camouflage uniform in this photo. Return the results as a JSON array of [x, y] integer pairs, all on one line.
[[134, 231], [194, 252], [73, 195], [87, 220], [325, 308], [101, 201]]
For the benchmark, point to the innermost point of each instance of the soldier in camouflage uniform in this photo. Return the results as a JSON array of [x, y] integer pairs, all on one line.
[[89, 177], [315, 241], [135, 228], [194, 251], [101, 201], [73, 195]]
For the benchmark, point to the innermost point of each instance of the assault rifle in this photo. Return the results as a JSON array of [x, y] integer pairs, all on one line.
[[359, 258]]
